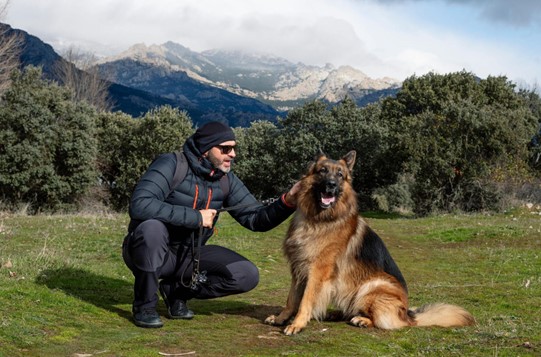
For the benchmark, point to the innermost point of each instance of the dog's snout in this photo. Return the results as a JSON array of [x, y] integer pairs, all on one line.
[[331, 185]]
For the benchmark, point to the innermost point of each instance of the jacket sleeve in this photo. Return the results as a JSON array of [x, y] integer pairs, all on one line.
[[258, 218], [148, 200]]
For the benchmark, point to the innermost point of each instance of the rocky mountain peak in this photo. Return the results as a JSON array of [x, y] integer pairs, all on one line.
[[271, 79]]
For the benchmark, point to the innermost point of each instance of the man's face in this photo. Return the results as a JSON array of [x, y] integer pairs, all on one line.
[[222, 156]]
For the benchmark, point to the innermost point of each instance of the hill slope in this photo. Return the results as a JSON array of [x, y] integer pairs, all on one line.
[[270, 79], [203, 102]]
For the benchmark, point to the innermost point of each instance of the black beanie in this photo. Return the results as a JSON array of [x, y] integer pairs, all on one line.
[[212, 134]]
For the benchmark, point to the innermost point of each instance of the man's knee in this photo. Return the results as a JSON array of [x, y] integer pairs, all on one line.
[[245, 274], [148, 245], [151, 232]]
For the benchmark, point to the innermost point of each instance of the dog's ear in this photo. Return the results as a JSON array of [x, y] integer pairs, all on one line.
[[312, 164], [320, 154], [349, 158]]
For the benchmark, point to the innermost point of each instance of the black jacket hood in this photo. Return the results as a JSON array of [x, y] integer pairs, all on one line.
[[200, 165]]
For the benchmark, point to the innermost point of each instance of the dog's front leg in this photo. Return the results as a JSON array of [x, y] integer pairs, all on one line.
[[310, 297], [292, 305]]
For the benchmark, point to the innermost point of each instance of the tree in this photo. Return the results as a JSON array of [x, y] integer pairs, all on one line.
[[128, 146], [77, 71], [279, 155], [113, 134], [9, 50], [270, 158], [533, 101], [456, 135], [361, 129], [47, 144], [256, 161], [302, 136]]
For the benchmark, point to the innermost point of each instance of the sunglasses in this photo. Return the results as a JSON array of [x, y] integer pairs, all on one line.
[[225, 149]]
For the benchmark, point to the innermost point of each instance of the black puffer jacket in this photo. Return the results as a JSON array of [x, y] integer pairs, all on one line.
[[154, 198]]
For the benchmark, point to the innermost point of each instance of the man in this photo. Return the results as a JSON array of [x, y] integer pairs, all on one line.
[[170, 226]]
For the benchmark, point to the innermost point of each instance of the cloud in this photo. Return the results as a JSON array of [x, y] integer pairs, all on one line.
[[394, 38], [521, 13], [517, 13]]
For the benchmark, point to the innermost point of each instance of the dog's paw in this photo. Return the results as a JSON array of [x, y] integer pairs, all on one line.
[[271, 320], [276, 320], [361, 321], [293, 329]]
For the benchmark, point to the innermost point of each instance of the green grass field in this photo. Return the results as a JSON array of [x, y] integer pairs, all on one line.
[[64, 291]]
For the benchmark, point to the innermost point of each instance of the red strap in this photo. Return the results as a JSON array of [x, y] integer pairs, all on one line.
[[283, 197], [196, 196], [209, 199]]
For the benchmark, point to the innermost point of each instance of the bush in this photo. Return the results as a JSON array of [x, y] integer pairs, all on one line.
[[128, 146], [452, 132], [395, 198], [271, 158], [114, 131], [256, 163], [47, 144]]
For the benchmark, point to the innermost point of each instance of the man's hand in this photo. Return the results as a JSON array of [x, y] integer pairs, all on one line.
[[291, 196], [208, 217]]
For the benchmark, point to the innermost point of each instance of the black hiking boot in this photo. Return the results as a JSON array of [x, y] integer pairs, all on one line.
[[176, 308], [148, 318]]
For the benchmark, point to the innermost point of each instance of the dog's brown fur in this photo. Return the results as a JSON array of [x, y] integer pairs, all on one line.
[[335, 258]]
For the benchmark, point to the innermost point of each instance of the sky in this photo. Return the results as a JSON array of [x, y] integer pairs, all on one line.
[[382, 38]]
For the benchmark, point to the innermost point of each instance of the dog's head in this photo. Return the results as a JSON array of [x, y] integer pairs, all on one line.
[[329, 178]]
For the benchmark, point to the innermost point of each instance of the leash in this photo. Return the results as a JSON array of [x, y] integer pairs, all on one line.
[[246, 205], [200, 277]]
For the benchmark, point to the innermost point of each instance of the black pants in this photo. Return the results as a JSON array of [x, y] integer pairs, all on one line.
[[148, 255]]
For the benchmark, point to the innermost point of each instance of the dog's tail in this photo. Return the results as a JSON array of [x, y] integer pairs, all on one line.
[[444, 315]]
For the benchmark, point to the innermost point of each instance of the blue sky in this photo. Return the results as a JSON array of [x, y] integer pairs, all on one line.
[[382, 38]]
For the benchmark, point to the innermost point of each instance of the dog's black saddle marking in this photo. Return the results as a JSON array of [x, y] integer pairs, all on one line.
[[375, 252]]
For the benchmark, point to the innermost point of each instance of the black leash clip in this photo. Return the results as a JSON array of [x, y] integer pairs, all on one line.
[[269, 201], [198, 279]]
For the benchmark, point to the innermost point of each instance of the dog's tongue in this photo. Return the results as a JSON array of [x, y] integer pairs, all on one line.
[[327, 200]]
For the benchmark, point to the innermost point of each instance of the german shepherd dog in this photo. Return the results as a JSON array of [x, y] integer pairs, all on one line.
[[335, 258]]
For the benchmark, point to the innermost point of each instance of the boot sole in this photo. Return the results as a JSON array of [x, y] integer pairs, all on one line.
[[176, 317], [147, 325]]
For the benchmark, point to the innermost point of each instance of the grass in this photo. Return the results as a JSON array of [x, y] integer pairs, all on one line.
[[64, 291]]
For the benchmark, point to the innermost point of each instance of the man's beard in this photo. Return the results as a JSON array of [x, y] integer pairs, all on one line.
[[218, 164]]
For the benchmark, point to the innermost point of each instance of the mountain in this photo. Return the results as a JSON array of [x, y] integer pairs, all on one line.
[[213, 85], [202, 101], [270, 79], [35, 52]]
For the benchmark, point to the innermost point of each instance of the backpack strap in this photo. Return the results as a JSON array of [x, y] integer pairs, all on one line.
[[180, 170]]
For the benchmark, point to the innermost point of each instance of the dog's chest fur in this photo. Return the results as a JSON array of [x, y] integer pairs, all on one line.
[[309, 243]]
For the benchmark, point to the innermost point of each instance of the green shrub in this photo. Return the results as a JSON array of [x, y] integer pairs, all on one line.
[[453, 132], [256, 163], [395, 198], [272, 157], [128, 146], [47, 144], [113, 133]]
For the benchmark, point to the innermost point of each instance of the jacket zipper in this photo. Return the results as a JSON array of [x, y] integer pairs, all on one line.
[[196, 197], [209, 198]]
